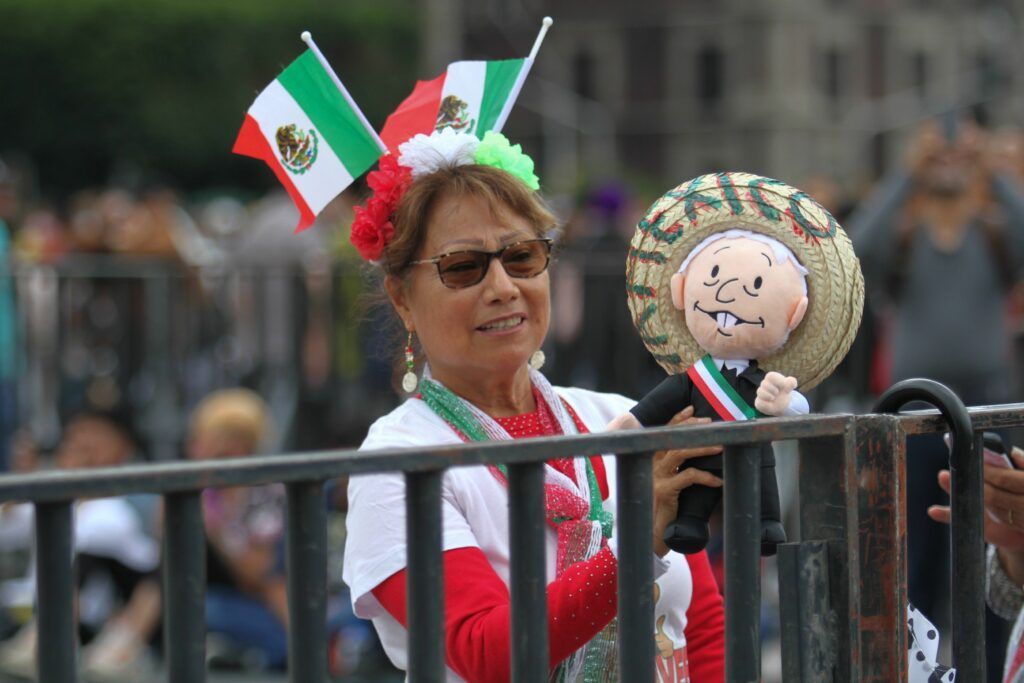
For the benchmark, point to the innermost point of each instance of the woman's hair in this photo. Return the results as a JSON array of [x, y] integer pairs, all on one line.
[[498, 188]]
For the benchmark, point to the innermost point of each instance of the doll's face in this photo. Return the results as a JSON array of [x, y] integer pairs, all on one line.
[[740, 300]]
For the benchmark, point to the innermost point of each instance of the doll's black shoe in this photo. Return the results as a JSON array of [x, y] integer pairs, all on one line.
[[687, 535], [772, 534]]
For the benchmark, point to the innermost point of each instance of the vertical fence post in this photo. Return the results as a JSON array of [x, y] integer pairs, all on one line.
[[882, 509], [742, 474], [967, 580], [307, 583], [636, 567], [57, 637], [425, 577], [828, 512], [161, 415], [528, 572], [808, 621], [184, 576]]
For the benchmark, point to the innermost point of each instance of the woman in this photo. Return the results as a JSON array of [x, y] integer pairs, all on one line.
[[461, 238]]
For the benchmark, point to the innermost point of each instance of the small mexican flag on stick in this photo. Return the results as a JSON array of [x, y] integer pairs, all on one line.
[[470, 97], [307, 128]]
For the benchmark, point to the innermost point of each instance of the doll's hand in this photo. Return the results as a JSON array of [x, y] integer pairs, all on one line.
[[774, 393]]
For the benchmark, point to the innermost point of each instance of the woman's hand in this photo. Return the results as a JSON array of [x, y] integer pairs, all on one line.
[[1004, 507], [669, 480]]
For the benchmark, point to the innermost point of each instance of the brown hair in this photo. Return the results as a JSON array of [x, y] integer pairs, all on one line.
[[498, 188]]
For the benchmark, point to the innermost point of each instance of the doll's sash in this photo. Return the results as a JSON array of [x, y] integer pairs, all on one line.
[[722, 396]]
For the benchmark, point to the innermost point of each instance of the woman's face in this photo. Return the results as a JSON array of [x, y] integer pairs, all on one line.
[[484, 332]]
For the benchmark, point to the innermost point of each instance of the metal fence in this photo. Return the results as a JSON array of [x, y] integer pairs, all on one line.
[[843, 586]]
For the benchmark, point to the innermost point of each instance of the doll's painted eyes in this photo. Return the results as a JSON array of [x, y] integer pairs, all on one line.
[[758, 282], [714, 271]]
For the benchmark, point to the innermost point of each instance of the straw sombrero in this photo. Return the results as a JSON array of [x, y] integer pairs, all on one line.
[[687, 214]]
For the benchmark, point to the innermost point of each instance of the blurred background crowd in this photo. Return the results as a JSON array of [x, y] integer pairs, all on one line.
[[155, 305]]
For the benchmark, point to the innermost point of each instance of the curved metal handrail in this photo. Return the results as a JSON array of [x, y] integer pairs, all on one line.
[[968, 577]]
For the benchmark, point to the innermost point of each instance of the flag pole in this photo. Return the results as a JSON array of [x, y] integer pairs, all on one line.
[[544, 26], [503, 116], [307, 38]]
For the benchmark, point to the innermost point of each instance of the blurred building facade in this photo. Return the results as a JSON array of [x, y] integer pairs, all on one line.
[[672, 88]]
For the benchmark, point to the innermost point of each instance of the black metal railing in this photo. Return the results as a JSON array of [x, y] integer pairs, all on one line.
[[843, 585]]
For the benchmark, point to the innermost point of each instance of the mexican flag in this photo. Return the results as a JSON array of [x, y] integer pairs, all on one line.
[[310, 134], [472, 97]]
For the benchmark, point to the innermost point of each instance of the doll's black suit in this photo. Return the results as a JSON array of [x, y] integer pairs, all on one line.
[[689, 532]]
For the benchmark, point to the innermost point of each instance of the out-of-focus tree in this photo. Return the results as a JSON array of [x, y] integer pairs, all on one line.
[[155, 90]]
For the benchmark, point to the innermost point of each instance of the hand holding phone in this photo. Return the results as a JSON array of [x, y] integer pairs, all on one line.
[[995, 451]]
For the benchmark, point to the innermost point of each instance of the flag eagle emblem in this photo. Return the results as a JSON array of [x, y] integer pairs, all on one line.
[[298, 148]]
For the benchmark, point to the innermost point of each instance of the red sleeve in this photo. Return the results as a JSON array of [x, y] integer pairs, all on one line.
[[705, 624], [477, 612]]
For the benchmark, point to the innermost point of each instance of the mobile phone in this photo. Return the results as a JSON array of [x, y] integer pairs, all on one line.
[[996, 452]]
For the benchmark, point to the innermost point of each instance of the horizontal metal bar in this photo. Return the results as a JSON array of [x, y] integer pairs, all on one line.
[[982, 417], [169, 477]]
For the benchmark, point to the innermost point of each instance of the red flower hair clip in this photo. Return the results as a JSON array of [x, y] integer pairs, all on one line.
[[372, 228]]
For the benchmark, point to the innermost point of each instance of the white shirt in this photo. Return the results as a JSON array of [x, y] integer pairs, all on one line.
[[474, 514]]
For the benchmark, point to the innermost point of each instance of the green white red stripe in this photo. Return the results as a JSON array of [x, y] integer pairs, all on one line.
[[726, 401], [314, 139], [482, 94]]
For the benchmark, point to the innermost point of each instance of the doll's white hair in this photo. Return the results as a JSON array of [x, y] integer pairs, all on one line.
[[781, 251]]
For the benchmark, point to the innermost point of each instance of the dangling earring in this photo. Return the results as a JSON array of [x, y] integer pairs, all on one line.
[[409, 379], [537, 360]]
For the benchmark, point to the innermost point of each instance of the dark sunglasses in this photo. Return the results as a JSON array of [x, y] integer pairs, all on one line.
[[458, 269]]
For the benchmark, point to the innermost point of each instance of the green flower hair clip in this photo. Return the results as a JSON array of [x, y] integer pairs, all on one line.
[[495, 150]]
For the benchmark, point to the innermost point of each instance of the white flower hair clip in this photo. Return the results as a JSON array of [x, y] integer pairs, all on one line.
[[424, 154]]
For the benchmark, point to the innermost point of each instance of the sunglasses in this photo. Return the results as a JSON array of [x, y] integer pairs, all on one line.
[[458, 269]]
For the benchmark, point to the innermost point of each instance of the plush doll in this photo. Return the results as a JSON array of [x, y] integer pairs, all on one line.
[[743, 289]]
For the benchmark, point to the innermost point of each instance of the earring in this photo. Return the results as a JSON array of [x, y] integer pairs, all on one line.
[[537, 360], [409, 379]]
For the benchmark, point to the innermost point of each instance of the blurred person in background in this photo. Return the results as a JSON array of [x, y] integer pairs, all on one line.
[[246, 601], [149, 228], [41, 236], [8, 334], [17, 573], [601, 350], [941, 242], [116, 561]]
